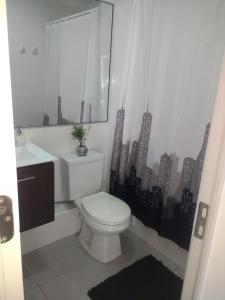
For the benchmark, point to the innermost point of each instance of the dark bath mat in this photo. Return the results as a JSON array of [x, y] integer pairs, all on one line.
[[146, 279]]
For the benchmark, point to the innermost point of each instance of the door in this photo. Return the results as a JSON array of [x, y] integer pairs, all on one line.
[[11, 283], [211, 193]]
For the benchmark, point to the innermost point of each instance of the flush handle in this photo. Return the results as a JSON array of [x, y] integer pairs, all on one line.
[[6, 219], [200, 225]]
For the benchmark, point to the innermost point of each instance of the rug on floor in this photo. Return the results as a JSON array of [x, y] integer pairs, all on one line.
[[146, 279]]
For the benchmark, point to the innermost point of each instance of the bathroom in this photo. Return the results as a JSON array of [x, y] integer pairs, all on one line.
[[141, 77]]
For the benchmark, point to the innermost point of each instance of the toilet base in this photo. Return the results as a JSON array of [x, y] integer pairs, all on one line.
[[104, 247]]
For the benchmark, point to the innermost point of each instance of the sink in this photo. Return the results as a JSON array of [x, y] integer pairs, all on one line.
[[22, 154], [31, 154]]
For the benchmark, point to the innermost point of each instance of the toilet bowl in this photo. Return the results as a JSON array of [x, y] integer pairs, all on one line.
[[103, 216]]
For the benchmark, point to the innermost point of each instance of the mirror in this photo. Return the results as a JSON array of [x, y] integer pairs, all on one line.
[[60, 61]]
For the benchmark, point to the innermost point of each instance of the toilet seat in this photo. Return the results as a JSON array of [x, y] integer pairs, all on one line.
[[105, 209]]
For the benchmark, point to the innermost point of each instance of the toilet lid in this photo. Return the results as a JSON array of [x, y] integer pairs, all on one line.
[[106, 209]]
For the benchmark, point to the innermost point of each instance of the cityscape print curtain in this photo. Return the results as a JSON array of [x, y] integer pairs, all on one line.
[[168, 87], [146, 192]]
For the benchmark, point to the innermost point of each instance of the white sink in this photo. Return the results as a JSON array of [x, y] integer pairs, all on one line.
[[30, 154]]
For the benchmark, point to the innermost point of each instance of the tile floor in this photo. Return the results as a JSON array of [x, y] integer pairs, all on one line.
[[63, 270]]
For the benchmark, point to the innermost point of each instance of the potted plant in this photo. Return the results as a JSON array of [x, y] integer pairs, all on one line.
[[79, 133]]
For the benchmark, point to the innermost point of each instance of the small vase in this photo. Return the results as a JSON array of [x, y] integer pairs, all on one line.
[[82, 150]]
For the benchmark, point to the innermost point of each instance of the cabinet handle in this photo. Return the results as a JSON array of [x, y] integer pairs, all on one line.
[[26, 179]]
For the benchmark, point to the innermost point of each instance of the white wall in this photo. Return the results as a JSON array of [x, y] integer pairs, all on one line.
[[58, 140]]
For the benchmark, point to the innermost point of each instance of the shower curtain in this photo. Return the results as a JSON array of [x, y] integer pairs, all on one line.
[[73, 75], [170, 74]]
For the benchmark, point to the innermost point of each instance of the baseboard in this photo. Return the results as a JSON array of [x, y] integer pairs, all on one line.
[[66, 223], [165, 247]]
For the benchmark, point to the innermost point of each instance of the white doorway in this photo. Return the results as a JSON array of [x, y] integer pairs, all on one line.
[[11, 283]]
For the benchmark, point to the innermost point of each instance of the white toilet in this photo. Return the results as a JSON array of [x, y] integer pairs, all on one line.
[[103, 216]]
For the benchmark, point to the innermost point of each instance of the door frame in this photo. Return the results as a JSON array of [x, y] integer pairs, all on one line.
[[211, 193], [11, 281], [2, 281], [217, 214]]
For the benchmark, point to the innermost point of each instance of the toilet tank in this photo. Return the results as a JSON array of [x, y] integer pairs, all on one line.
[[83, 173]]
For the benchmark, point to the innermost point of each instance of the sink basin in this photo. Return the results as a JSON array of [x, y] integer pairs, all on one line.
[[30, 154]]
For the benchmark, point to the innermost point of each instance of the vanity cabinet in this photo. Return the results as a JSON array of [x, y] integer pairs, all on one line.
[[36, 195]]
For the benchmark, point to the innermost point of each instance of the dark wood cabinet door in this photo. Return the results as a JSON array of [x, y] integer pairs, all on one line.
[[36, 195]]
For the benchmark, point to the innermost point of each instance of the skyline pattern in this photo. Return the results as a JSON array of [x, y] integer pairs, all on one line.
[[143, 143], [117, 143], [170, 211], [123, 159]]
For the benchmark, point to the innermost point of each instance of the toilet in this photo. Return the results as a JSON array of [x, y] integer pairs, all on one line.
[[103, 216]]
